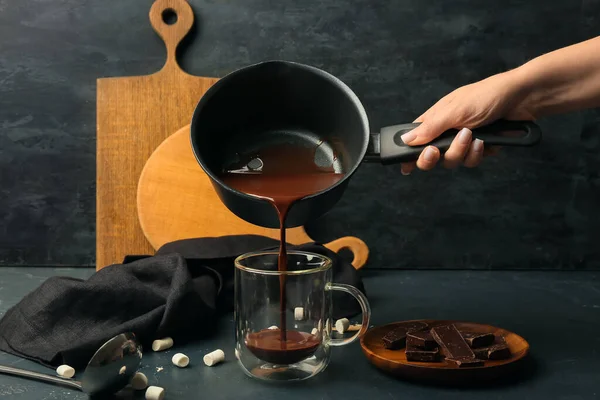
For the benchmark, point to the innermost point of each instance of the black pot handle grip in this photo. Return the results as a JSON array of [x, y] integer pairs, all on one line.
[[500, 133]]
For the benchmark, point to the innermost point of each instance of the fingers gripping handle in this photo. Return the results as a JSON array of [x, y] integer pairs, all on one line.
[[172, 20], [364, 305], [500, 133]]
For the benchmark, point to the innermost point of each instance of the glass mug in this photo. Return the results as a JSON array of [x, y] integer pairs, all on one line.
[[261, 347]]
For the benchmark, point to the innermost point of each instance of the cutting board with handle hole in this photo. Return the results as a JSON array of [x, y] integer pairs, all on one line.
[[134, 115], [176, 200]]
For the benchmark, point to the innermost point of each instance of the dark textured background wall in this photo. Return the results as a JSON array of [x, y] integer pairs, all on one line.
[[526, 208]]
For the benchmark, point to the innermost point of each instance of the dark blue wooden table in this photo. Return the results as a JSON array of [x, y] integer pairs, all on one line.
[[557, 312]]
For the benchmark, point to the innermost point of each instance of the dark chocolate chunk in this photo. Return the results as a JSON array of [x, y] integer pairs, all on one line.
[[493, 352], [476, 340], [452, 342], [396, 338], [417, 354], [481, 353], [421, 340], [463, 362], [415, 326], [498, 351]]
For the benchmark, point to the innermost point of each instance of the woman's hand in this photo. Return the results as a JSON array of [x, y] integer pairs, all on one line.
[[563, 80], [499, 96]]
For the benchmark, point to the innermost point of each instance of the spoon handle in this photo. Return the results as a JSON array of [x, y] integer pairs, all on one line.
[[40, 377]]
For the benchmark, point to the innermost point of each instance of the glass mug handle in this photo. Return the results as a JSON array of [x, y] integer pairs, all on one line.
[[364, 305]]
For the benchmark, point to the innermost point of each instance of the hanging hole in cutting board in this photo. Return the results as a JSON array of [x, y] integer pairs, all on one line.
[[346, 254], [169, 16]]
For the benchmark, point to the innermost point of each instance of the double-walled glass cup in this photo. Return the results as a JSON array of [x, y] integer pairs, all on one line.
[[303, 349]]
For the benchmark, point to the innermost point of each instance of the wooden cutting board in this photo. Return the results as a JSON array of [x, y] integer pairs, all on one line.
[[134, 115], [176, 200]]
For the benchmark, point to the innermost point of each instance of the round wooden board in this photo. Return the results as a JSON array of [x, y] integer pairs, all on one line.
[[394, 361], [176, 200]]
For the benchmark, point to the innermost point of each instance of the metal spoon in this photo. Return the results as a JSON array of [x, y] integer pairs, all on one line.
[[110, 369]]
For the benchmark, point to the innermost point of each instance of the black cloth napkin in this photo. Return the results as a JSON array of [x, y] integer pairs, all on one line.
[[178, 292]]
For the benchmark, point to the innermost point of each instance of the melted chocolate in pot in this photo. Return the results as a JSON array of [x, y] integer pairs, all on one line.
[[282, 175]]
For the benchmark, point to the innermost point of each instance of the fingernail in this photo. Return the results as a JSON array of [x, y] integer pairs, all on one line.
[[478, 145], [464, 136], [405, 173], [408, 137], [430, 154]]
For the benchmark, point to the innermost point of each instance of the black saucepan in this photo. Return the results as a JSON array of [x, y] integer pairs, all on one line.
[[303, 105]]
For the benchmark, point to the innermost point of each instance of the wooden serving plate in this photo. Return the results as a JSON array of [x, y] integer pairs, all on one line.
[[394, 361]]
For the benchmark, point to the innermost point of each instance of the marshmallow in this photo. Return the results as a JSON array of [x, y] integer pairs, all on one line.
[[65, 371], [155, 393], [341, 325], [180, 360], [214, 357], [314, 331], [273, 327], [299, 313], [122, 370], [139, 381], [162, 344]]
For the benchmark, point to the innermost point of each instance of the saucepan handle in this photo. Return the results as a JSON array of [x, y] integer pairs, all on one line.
[[500, 133]]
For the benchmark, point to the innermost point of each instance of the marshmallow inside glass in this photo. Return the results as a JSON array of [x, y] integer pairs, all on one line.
[[283, 317]]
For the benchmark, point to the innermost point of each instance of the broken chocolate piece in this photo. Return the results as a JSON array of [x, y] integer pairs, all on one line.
[[463, 362], [415, 326], [396, 338], [421, 340], [476, 340], [493, 352], [498, 351], [481, 353], [417, 354], [453, 345]]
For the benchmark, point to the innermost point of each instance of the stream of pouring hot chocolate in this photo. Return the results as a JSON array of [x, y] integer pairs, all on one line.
[[284, 175]]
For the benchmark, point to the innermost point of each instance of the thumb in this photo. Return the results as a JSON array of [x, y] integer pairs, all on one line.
[[427, 131]]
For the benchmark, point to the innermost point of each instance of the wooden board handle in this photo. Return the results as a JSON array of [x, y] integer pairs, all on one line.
[[172, 20], [359, 249]]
